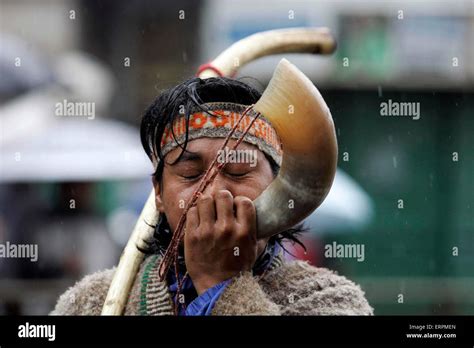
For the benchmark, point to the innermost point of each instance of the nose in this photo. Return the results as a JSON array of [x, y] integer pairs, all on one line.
[[219, 183]]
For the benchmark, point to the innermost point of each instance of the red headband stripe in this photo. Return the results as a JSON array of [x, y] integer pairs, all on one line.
[[223, 119]]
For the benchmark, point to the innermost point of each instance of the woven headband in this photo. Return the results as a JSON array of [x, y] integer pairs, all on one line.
[[216, 123]]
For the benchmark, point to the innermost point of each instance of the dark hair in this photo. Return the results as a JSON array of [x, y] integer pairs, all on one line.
[[180, 100]]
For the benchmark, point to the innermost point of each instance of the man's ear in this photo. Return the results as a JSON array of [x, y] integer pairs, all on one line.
[[158, 201]]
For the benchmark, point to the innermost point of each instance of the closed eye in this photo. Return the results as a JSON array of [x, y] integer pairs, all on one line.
[[191, 177], [238, 175], [238, 170]]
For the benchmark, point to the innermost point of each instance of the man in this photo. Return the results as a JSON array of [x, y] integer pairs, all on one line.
[[222, 269]]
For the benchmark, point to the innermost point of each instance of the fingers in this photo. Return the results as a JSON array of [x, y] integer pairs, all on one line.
[[207, 211], [191, 228], [224, 207], [192, 219], [215, 215], [245, 213]]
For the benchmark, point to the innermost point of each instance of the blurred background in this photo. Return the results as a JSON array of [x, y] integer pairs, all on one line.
[[74, 185]]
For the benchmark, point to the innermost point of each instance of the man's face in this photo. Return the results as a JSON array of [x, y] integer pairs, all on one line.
[[180, 180]]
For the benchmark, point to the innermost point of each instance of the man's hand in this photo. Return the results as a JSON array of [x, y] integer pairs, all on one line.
[[219, 243]]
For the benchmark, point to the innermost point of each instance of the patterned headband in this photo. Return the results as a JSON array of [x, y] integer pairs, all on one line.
[[216, 123]]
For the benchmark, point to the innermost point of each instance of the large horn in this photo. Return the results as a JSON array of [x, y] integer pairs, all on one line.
[[293, 40], [304, 124], [265, 43]]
